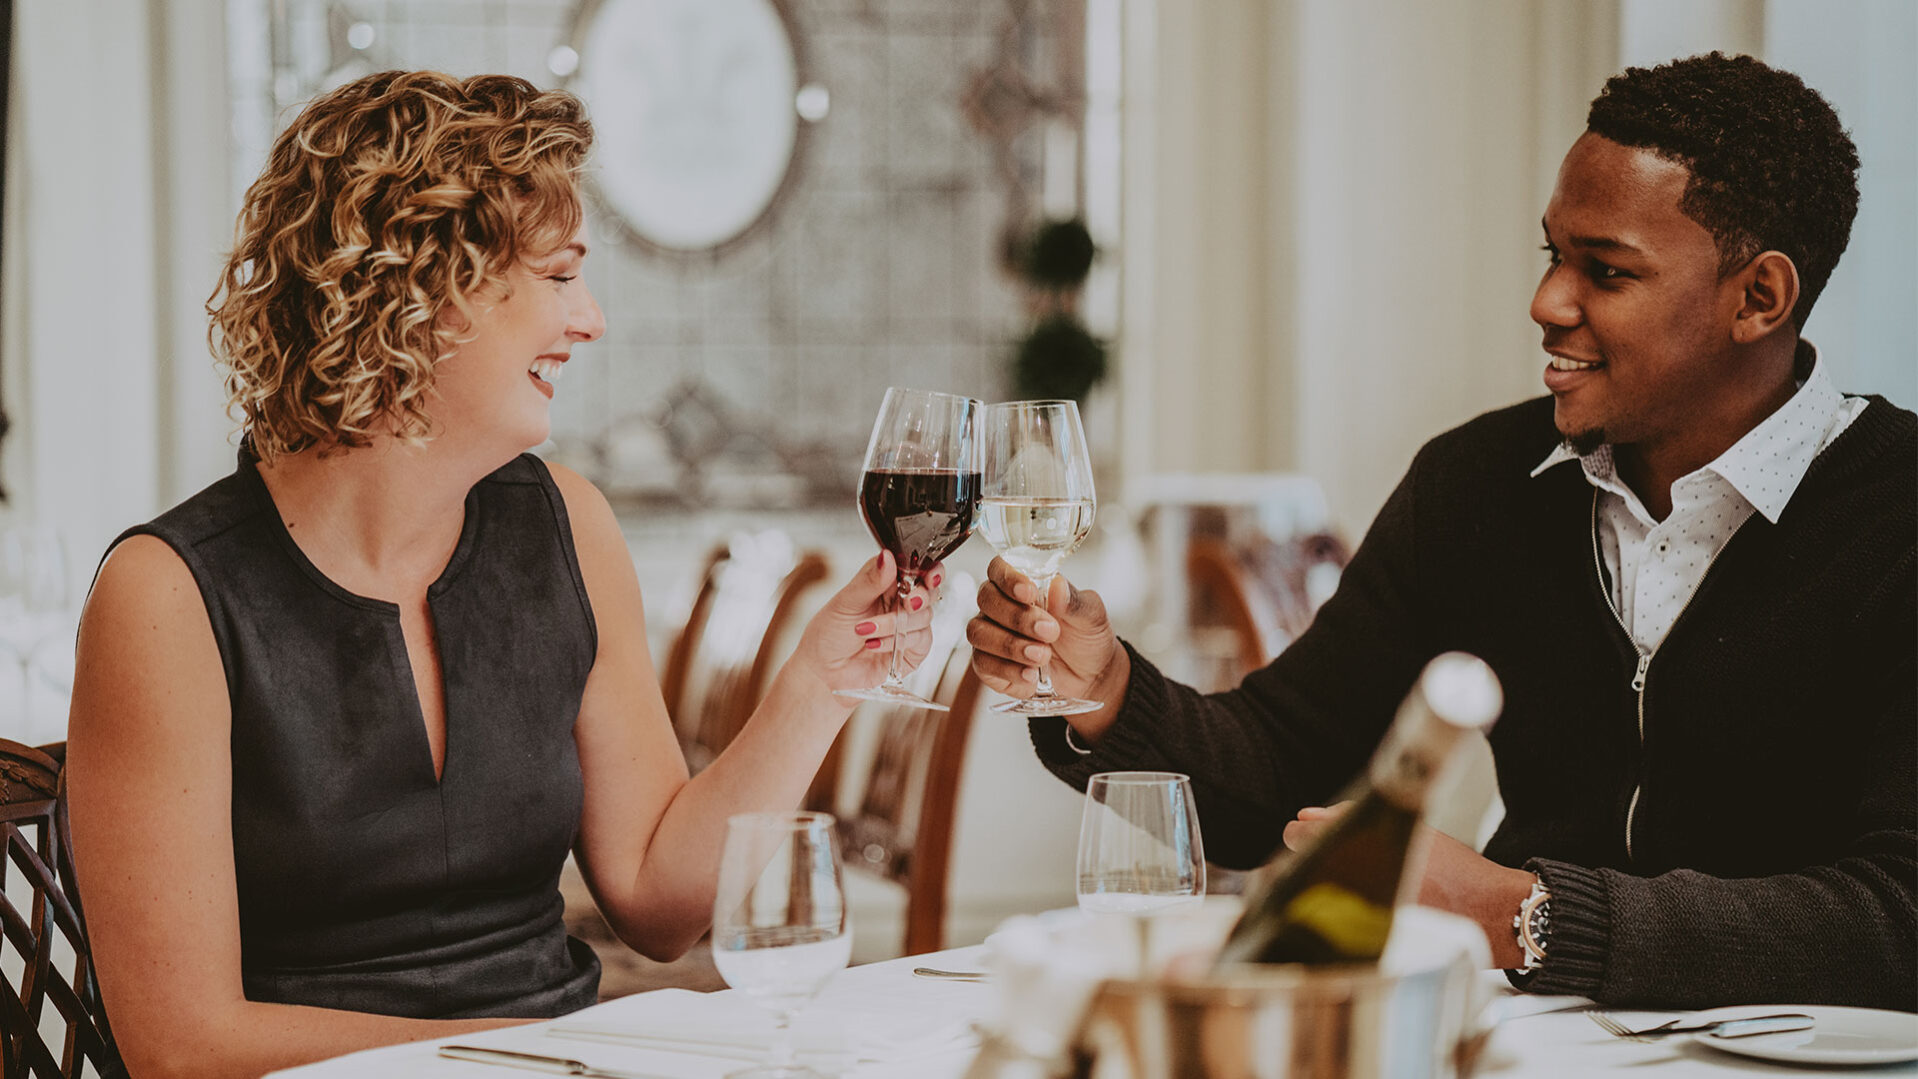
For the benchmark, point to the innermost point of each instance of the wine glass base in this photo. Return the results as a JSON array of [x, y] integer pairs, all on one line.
[[1047, 706], [773, 1071], [890, 695]]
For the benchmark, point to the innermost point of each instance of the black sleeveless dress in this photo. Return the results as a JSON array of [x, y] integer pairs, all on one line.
[[364, 882]]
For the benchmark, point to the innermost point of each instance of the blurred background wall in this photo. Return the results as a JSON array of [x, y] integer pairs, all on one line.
[[1317, 222]]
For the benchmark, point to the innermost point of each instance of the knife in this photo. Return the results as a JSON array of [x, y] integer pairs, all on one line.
[[1736, 1028], [535, 1062]]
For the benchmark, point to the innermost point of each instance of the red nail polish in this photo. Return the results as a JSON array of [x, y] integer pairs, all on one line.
[[872, 644], [918, 602], [936, 578], [864, 628]]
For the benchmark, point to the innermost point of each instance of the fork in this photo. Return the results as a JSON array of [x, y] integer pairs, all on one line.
[[1743, 1027]]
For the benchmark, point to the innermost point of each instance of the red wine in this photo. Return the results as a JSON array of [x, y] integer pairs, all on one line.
[[920, 515]]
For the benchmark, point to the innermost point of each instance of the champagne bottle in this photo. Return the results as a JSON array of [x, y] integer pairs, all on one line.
[[1331, 901]]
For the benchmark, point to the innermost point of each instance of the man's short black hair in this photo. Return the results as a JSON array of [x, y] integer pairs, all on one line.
[[1771, 167]]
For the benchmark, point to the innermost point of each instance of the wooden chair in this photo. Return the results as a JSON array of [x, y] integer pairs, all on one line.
[[901, 827], [1264, 592], [1222, 589], [1300, 572], [44, 959], [718, 667]]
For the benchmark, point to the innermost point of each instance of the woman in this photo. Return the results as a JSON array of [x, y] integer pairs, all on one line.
[[338, 719]]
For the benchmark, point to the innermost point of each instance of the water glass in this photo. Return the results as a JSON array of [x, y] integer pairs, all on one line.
[[779, 920]]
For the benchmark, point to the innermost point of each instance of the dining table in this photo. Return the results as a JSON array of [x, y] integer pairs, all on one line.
[[882, 1021]]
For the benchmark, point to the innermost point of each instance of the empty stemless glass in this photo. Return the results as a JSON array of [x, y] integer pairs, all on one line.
[[779, 920], [1139, 846], [918, 494]]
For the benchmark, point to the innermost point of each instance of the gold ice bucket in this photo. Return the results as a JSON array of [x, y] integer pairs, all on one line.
[[1284, 1022]]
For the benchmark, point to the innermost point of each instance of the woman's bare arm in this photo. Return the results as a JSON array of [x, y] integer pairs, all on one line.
[[149, 774], [649, 839]]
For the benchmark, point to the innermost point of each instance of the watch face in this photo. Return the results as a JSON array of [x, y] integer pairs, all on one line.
[[692, 104], [1532, 924]]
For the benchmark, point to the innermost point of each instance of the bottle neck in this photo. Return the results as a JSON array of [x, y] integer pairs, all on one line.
[[1414, 751]]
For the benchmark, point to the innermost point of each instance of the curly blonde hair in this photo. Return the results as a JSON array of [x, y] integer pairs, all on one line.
[[384, 203]]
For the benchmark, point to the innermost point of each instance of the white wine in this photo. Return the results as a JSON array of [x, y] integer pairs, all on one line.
[[1331, 901], [1034, 535]]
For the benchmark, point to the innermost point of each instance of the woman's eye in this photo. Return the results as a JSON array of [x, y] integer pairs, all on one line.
[[1602, 272], [1551, 253], [562, 278]]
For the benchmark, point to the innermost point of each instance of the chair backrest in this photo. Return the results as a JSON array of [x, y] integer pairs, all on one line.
[[1300, 572], [718, 667], [1265, 591], [1222, 585], [44, 957], [902, 827]]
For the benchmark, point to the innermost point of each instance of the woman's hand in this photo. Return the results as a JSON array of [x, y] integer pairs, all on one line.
[[849, 643], [1012, 635]]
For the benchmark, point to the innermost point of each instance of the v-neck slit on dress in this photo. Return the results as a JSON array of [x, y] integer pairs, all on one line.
[[366, 882]]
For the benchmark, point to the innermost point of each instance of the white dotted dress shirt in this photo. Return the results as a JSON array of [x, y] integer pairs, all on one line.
[[1655, 566]]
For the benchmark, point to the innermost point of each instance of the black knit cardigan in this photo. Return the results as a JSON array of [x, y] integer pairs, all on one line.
[[1766, 769]]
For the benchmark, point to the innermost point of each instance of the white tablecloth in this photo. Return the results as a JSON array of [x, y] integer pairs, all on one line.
[[878, 996], [1568, 1045], [886, 996]]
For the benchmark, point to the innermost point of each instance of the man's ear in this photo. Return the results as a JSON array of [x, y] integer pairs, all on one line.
[[1769, 290]]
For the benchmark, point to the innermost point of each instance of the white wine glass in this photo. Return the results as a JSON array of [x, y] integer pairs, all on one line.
[[918, 494], [779, 921], [1036, 506], [33, 602]]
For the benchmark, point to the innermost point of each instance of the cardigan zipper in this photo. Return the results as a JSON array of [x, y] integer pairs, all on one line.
[[1644, 656], [1638, 675]]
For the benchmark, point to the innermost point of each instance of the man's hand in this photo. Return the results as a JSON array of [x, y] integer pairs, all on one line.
[[1456, 878], [1013, 635]]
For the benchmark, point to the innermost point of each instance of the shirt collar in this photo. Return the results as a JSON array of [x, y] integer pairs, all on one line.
[[1783, 444]]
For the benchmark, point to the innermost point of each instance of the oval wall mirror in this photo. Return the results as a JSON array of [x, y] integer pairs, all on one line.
[[692, 103]]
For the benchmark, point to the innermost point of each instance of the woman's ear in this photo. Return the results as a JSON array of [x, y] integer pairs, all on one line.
[[1769, 284]]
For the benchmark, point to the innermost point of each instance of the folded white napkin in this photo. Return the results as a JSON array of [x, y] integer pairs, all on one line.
[[1426, 938], [1047, 968], [727, 1025]]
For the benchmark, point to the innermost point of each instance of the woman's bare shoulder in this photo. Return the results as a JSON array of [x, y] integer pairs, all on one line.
[[146, 642], [583, 499], [597, 538], [142, 575]]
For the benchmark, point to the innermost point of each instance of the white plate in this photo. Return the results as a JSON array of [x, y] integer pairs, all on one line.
[[1839, 1036]]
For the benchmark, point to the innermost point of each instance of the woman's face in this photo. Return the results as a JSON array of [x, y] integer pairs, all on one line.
[[499, 383]]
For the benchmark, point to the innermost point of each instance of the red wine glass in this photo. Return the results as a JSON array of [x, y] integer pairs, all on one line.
[[918, 494]]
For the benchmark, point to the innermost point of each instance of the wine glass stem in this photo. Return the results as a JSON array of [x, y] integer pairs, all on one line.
[[895, 677], [783, 1055], [1044, 686]]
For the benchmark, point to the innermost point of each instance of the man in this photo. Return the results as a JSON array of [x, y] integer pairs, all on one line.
[[1691, 567]]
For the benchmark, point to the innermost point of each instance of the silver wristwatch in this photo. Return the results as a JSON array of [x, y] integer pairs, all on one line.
[[1533, 926]]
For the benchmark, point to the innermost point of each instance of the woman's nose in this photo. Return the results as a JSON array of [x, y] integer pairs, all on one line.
[[588, 322]]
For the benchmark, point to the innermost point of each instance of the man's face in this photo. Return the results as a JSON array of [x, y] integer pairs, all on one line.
[[1636, 318]]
